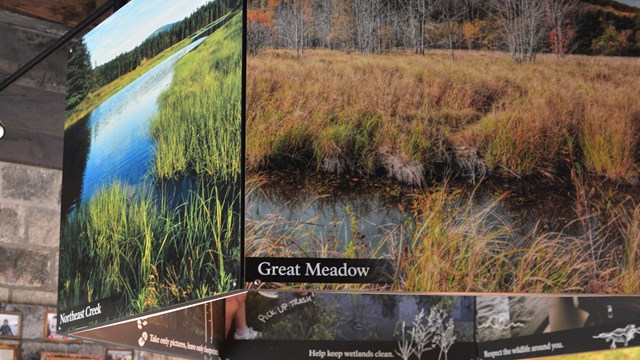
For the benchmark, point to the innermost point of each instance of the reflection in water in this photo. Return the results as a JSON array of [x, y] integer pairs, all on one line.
[[113, 141], [318, 211], [341, 211]]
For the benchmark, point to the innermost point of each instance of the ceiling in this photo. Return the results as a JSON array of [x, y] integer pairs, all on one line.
[[66, 12]]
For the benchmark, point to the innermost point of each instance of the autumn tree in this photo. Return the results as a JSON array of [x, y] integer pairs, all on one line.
[[420, 17], [471, 32], [260, 28], [366, 17], [341, 36], [612, 41], [319, 23], [561, 30], [523, 26], [450, 15], [290, 23]]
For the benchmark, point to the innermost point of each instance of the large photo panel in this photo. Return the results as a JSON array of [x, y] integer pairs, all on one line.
[[478, 146], [151, 198]]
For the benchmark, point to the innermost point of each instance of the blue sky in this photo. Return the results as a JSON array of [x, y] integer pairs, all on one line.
[[132, 24], [631, 2]]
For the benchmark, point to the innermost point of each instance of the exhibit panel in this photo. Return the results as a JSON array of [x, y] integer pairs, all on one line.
[[430, 138], [412, 174], [189, 332], [152, 177], [517, 327], [305, 325], [340, 325]]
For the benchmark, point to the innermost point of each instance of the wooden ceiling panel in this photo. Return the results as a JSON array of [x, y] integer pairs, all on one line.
[[67, 12]]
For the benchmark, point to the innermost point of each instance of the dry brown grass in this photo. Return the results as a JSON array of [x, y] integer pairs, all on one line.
[[451, 243], [414, 116]]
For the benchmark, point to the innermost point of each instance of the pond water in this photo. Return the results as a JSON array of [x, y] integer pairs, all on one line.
[[324, 209], [313, 209], [113, 142]]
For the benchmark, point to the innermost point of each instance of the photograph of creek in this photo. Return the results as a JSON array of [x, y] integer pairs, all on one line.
[[480, 146], [152, 166]]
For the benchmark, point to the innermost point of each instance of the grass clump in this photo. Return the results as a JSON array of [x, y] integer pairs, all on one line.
[[434, 115], [198, 126], [450, 241], [346, 146], [528, 135], [612, 148], [149, 253], [629, 227], [462, 248]]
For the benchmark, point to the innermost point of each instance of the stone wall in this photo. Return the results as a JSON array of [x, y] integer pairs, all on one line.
[[29, 240], [29, 234]]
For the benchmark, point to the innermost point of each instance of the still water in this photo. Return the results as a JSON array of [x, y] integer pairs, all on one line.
[[113, 142]]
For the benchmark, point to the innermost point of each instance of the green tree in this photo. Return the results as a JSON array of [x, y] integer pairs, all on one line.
[[79, 80]]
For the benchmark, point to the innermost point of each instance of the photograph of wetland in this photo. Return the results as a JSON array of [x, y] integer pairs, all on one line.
[[482, 146], [151, 193]]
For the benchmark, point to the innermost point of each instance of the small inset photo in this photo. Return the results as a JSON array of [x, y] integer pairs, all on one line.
[[10, 325], [51, 329], [119, 354]]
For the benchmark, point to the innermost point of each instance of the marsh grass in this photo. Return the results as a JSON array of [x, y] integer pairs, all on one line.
[[149, 252], [414, 116], [196, 129], [450, 242], [421, 119], [629, 226]]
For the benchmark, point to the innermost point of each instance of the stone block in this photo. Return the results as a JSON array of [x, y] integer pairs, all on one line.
[[35, 297], [25, 268], [12, 224], [27, 183], [43, 227], [34, 350], [32, 320]]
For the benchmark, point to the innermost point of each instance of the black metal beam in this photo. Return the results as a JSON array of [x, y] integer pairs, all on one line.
[[117, 4], [94, 16]]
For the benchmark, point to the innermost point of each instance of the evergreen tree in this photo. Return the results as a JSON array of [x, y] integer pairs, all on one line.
[[79, 79]]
